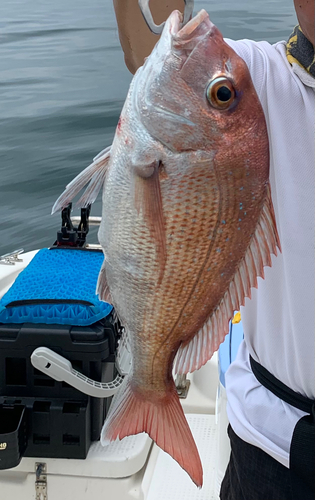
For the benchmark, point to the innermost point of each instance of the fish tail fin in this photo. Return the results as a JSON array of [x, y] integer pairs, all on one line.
[[163, 420], [94, 175]]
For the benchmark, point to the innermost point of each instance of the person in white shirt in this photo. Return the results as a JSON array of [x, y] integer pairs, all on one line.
[[267, 451]]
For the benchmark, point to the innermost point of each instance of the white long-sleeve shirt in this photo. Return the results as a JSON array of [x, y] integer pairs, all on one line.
[[278, 321]]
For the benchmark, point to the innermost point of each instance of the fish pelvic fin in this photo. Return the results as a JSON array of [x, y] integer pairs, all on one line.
[[265, 241], [163, 419], [148, 200], [94, 175]]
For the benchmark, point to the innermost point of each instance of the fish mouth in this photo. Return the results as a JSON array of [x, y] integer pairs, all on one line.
[[192, 32]]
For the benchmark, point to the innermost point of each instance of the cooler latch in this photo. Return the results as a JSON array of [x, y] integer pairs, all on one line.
[[60, 369]]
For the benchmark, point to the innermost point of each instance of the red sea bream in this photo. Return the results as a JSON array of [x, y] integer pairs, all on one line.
[[187, 223]]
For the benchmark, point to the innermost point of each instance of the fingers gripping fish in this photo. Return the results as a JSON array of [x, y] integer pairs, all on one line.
[[187, 223]]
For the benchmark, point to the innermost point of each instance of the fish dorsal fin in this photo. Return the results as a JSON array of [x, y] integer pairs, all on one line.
[[93, 175], [265, 241]]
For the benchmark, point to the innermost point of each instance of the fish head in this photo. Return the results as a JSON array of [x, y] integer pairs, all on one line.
[[194, 92]]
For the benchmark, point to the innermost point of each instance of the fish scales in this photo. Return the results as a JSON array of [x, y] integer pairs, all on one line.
[[187, 221], [178, 280]]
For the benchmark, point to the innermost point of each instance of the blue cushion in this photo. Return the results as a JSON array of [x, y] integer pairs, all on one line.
[[57, 287]]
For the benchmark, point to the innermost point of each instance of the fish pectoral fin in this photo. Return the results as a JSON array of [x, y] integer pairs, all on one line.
[[265, 241], [94, 175], [164, 420], [148, 201], [102, 288]]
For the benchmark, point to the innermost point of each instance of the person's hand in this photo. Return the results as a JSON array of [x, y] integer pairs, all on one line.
[[135, 37]]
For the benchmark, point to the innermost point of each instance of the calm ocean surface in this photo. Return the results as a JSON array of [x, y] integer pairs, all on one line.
[[62, 86]]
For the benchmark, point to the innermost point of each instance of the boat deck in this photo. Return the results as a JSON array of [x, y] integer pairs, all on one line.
[[170, 482]]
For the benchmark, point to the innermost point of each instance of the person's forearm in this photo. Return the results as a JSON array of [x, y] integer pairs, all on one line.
[[136, 39]]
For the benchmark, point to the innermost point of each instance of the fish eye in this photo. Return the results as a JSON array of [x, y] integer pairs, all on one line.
[[221, 93]]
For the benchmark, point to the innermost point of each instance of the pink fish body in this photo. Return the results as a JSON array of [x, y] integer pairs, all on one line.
[[187, 222]]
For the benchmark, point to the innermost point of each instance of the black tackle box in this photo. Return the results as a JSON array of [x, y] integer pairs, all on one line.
[[52, 304], [40, 417]]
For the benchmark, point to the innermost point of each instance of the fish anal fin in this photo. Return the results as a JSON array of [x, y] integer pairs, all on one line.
[[163, 419], [102, 288], [148, 201], [93, 175], [265, 241]]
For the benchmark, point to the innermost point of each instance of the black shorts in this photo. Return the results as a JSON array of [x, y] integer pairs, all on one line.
[[252, 474]]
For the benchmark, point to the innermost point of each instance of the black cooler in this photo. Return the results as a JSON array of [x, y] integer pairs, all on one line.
[[53, 304]]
